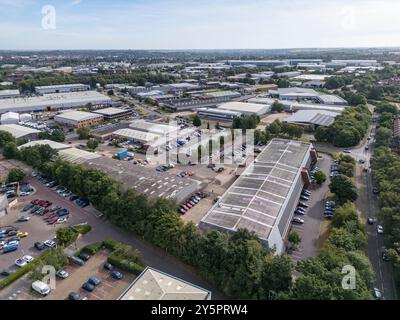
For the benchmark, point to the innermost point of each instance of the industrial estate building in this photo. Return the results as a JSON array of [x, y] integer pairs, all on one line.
[[265, 196], [20, 131], [218, 114], [245, 108], [63, 88], [54, 102], [113, 113], [296, 93], [153, 284], [8, 94], [10, 118], [314, 117], [52, 144], [78, 119]]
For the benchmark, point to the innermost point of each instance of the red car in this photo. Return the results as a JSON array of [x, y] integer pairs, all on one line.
[[36, 202], [54, 220], [188, 205], [47, 204]]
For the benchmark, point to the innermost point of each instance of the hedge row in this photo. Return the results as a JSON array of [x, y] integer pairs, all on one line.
[[125, 264]]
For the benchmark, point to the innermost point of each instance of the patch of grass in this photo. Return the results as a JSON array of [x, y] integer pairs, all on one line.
[[324, 231]]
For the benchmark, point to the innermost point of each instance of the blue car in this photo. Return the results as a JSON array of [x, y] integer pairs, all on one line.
[[88, 286], [94, 281], [299, 212], [117, 275]]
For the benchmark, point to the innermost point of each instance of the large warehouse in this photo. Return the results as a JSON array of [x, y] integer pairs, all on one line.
[[265, 196], [62, 88], [20, 131], [246, 108], [78, 119], [315, 117], [8, 94], [113, 113], [54, 102]]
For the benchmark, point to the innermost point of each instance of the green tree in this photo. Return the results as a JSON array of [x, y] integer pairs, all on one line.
[[16, 175], [66, 236], [84, 132], [320, 177], [383, 137], [10, 151], [344, 188], [275, 127], [92, 144], [5, 137], [294, 238], [344, 214], [196, 121], [277, 107]]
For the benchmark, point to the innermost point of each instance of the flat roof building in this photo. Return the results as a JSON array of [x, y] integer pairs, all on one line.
[[266, 194], [62, 88], [153, 127], [315, 117], [77, 156], [52, 144], [113, 113], [20, 131], [153, 284], [54, 102], [78, 119], [218, 114], [245, 108], [7, 94], [137, 135]]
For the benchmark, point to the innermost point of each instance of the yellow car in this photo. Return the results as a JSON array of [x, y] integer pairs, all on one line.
[[21, 234]]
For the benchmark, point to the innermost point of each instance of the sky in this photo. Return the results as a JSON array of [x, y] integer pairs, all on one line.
[[198, 24]]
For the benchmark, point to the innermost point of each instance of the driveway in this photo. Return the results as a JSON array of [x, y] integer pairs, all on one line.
[[310, 230]]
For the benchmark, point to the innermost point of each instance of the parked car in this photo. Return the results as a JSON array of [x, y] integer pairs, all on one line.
[[297, 221], [41, 288], [74, 296], [303, 205], [23, 219], [20, 263], [94, 281], [39, 246], [50, 243], [88, 286], [84, 256], [108, 266], [62, 274], [302, 197], [379, 229], [28, 258], [377, 294], [117, 275], [300, 212], [28, 207]]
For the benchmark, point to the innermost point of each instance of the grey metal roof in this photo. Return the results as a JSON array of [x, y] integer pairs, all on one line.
[[256, 199]]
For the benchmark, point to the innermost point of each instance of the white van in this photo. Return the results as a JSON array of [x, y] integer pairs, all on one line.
[[41, 287]]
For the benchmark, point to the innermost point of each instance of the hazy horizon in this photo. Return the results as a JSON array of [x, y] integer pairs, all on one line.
[[31, 25]]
